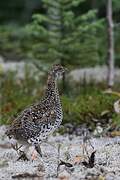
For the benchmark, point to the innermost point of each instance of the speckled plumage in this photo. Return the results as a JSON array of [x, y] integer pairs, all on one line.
[[36, 122]]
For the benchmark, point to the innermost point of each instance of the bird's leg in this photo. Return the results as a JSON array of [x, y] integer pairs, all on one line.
[[38, 149], [34, 155]]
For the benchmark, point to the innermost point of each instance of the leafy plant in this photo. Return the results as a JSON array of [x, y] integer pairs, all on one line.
[[89, 108]]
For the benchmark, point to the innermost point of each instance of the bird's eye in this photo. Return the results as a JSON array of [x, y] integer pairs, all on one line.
[[10, 136]]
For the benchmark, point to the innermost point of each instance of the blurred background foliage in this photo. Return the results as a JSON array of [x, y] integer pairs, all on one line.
[[57, 31], [72, 32]]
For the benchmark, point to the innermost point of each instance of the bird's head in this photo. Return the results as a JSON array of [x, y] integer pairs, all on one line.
[[57, 70]]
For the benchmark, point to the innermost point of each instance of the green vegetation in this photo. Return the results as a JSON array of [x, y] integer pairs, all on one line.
[[82, 106], [61, 35], [13, 43], [72, 32], [89, 108]]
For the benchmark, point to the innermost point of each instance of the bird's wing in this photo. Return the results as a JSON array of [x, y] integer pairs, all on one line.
[[33, 122], [43, 113], [30, 128], [29, 122], [23, 128]]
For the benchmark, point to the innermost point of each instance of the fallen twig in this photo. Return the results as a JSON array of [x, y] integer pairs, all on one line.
[[65, 163], [5, 146], [26, 175], [58, 159], [22, 156]]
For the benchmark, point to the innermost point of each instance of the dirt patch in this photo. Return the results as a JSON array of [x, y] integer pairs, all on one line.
[[63, 158]]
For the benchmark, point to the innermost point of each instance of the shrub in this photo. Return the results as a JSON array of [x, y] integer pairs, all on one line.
[[89, 108]]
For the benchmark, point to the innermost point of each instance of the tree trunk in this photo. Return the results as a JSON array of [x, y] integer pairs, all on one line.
[[110, 58], [93, 4]]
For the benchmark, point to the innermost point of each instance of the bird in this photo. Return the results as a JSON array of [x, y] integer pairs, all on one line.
[[36, 122]]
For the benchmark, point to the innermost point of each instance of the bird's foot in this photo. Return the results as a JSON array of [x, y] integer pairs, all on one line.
[[36, 151], [22, 156], [34, 155]]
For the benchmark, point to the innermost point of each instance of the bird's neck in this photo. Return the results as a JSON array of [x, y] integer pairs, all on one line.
[[51, 89], [52, 95]]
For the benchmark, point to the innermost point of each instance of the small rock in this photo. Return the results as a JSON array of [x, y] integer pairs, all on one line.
[[98, 131]]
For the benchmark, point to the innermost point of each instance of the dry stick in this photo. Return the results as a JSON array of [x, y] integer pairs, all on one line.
[[67, 154], [85, 146], [85, 149], [25, 175], [91, 144], [110, 58], [85, 140], [91, 158], [20, 153], [58, 159]]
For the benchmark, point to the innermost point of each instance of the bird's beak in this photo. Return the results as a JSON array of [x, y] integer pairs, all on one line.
[[66, 70]]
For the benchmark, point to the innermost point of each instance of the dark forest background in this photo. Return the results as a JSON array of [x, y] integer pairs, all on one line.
[[15, 15]]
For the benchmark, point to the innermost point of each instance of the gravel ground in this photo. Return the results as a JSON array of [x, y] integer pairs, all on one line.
[[71, 150]]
